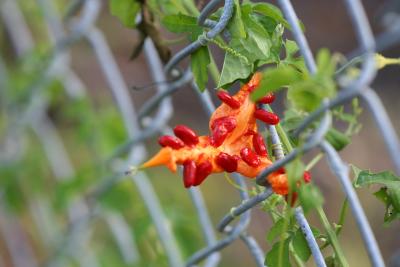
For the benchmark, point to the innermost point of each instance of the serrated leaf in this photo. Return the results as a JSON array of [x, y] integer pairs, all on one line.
[[199, 64], [389, 194], [300, 246], [276, 230], [386, 178], [310, 197], [337, 139], [273, 257], [126, 11], [274, 79]]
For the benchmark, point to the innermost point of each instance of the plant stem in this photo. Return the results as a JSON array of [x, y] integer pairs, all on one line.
[[296, 258], [283, 235], [314, 161], [332, 237], [342, 216], [282, 134]]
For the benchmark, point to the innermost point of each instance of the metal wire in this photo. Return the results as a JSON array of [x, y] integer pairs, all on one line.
[[78, 232]]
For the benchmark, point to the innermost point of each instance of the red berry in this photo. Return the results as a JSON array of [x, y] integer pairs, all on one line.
[[220, 128], [189, 173], [307, 177], [227, 162], [266, 116], [268, 99], [187, 135], [250, 157], [227, 99], [203, 170], [259, 145], [170, 141]]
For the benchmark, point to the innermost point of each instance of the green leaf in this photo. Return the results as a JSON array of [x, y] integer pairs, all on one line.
[[291, 48], [291, 120], [257, 34], [294, 171], [310, 197], [235, 26], [275, 78], [180, 23], [234, 68], [276, 230], [273, 257], [308, 95], [199, 63], [356, 170], [300, 246], [271, 11], [389, 194], [337, 139], [126, 11], [386, 178], [326, 65]]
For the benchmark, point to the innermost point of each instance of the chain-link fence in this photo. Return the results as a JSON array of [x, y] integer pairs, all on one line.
[[79, 24]]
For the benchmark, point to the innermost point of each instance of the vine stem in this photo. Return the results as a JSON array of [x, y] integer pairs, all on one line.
[[332, 237], [321, 214]]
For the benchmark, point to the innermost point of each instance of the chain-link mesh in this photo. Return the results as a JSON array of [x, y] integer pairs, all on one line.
[[81, 214]]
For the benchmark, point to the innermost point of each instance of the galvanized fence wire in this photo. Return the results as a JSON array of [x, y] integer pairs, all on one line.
[[82, 213]]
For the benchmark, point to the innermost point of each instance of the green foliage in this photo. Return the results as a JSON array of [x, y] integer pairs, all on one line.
[[294, 171], [250, 51], [180, 23], [300, 246], [276, 230], [310, 197], [274, 258], [337, 139], [273, 79], [270, 11], [199, 63], [126, 11], [236, 26], [389, 193]]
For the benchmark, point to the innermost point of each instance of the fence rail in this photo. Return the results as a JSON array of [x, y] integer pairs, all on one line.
[[72, 242]]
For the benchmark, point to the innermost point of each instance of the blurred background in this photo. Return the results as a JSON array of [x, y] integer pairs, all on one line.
[[60, 126]]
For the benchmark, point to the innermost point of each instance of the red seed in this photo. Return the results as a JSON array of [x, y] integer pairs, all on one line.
[[220, 128], [307, 177], [227, 162], [281, 170], [187, 135], [266, 116], [259, 145], [250, 132], [250, 157], [170, 141], [227, 99], [203, 170], [268, 99], [189, 173]]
